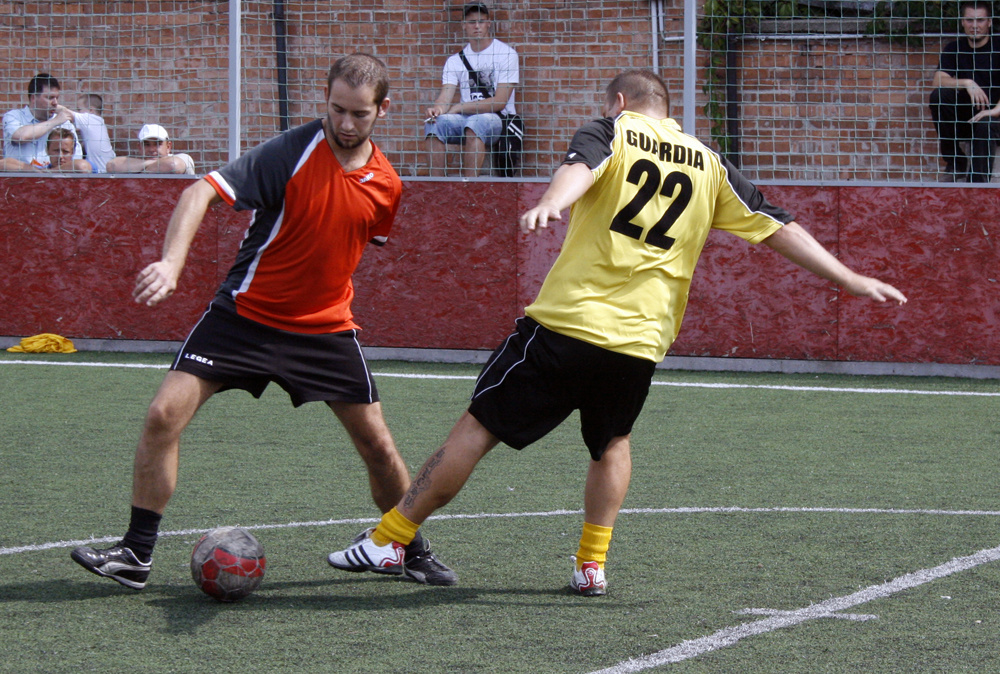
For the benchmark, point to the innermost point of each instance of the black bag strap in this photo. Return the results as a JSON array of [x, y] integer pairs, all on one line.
[[473, 75], [474, 83], [468, 65]]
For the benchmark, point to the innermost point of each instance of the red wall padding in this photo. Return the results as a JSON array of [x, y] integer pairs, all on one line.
[[457, 271]]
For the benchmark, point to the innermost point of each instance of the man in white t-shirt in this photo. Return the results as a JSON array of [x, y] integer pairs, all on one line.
[[89, 123], [485, 78], [157, 155]]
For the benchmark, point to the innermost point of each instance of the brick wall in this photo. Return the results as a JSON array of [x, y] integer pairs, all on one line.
[[836, 109], [810, 107]]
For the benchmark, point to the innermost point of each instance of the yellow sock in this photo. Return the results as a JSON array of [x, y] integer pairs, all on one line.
[[394, 527], [594, 544]]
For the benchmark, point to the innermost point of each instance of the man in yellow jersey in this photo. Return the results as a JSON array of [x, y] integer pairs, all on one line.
[[644, 196]]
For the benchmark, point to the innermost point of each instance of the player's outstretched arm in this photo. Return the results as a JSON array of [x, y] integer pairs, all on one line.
[[569, 183], [158, 281], [799, 246]]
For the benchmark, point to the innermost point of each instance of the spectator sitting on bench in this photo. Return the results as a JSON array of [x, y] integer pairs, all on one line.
[[26, 130], [156, 155], [967, 87], [485, 73]]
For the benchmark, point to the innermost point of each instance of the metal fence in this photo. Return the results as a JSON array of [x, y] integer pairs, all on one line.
[[808, 90]]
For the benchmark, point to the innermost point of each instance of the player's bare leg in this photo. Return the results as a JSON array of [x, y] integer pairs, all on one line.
[[173, 407], [389, 479], [607, 483], [606, 487], [154, 479], [446, 471], [387, 472], [441, 477]]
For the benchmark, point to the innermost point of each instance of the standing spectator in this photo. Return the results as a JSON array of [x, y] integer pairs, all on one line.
[[25, 130], [89, 123], [644, 197], [61, 145], [967, 82], [485, 73], [157, 155], [319, 194]]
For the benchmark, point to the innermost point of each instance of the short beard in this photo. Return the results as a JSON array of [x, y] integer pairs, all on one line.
[[345, 146]]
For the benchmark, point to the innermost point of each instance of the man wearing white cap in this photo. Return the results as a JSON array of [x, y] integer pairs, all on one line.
[[156, 155]]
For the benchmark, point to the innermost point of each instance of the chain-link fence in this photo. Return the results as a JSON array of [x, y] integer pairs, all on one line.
[[829, 89], [809, 90]]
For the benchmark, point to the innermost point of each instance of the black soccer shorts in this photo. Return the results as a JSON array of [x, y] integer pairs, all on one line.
[[537, 377], [243, 354]]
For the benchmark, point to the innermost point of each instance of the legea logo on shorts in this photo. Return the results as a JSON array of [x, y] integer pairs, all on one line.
[[199, 359]]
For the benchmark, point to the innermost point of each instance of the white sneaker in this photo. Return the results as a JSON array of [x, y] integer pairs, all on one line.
[[588, 581], [365, 555]]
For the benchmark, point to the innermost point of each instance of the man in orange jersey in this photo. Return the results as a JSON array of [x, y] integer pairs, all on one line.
[[319, 193]]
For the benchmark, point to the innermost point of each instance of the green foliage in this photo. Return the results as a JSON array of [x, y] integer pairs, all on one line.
[[720, 20], [907, 22]]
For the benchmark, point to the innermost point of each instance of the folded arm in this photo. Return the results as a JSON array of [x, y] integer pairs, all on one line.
[[495, 103]]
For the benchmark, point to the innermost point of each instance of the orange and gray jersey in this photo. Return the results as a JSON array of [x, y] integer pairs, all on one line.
[[311, 221]]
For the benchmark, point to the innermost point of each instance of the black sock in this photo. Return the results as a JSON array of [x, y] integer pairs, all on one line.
[[142, 531], [416, 546]]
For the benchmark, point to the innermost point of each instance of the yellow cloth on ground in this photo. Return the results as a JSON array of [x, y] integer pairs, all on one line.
[[44, 343]]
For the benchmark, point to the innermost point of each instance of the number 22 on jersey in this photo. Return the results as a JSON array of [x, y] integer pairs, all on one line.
[[676, 187]]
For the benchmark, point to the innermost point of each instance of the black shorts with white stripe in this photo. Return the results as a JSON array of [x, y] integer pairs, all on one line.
[[537, 377], [244, 354]]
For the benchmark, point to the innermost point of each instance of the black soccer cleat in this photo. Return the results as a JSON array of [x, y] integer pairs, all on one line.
[[421, 566], [117, 562]]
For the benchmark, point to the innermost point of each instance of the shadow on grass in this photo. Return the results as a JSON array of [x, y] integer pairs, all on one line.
[[61, 590], [185, 609]]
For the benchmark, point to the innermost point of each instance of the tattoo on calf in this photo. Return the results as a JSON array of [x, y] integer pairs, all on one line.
[[423, 480]]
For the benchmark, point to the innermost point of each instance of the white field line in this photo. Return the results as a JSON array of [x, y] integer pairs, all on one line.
[[692, 648], [695, 647], [141, 366], [831, 389], [366, 521], [825, 609], [822, 389]]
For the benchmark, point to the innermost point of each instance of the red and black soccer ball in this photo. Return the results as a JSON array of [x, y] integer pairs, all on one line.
[[228, 563]]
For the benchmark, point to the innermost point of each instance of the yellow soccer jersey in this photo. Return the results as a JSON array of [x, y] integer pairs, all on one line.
[[621, 280]]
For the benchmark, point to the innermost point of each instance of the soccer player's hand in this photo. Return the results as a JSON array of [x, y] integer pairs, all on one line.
[[538, 217], [865, 286], [154, 284]]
